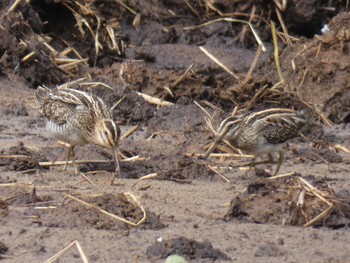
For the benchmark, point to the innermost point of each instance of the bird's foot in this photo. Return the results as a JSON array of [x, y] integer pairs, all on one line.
[[251, 164], [114, 176]]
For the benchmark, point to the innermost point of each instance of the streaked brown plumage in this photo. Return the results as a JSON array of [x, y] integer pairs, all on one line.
[[77, 118], [264, 131]]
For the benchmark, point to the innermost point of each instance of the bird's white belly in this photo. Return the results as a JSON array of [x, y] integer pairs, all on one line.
[[265, 147], [65, 133]]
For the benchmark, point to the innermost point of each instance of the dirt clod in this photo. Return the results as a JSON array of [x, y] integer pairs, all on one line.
[[3, 248], [175, 52], [3, 208], [72, 214], [20, 158], [277, 201], [185, 247]]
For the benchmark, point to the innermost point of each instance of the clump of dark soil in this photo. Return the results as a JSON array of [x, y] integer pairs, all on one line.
[[3, 208], [75, 214], [15, 29], [317, 69], [170, 165], [179, 168], [133, 109], [3, 248], [20, 158], [152, 48], [285, 201], [183, 246]]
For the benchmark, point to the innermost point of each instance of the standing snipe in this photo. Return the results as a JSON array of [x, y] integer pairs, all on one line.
[[76, 117], [264, 132]]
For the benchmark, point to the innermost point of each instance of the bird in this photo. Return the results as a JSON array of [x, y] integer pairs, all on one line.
[[76, 117], [264, 132]]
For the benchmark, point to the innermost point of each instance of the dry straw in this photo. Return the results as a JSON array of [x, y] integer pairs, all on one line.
[[154, 100], [307, 190], [77, 245]]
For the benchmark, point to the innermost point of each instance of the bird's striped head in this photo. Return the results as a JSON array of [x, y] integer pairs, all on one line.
[[229, 128], [107, 133]]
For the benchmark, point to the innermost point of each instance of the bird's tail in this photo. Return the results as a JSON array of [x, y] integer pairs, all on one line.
[[41, 94]]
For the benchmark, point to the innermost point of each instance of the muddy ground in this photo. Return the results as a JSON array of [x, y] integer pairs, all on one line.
[[225, 215]]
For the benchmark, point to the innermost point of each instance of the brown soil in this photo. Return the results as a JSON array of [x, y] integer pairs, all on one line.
[[191, 210]]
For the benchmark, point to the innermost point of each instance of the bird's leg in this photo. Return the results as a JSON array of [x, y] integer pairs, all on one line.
[[71, 155], [255, 163], [68, 157], [73, 160], [210, 149], [279, 161], [116, 173], [117, 165]]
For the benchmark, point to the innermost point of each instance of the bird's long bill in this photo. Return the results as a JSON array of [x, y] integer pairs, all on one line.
[[210, 149], [221, 136], [116, 160]]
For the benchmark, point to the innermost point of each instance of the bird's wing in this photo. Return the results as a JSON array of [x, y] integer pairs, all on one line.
[[295, 120], [86, 102], [278, 128], [80, 99], [62, 105]]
